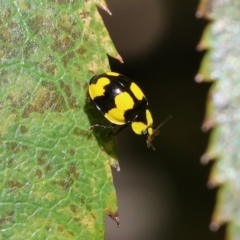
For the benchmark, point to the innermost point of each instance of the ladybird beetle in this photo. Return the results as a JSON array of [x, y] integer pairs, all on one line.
[[122, 102]]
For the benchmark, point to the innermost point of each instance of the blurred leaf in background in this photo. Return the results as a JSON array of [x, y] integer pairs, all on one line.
[[221, 65]]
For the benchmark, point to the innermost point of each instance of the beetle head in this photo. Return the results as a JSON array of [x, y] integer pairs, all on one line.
[[152, 133]]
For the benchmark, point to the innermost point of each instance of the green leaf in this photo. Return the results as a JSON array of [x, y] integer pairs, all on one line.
[[55, 174], [221, 65]]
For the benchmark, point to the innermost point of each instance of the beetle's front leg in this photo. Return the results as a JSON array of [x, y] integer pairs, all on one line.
[[109, 133]]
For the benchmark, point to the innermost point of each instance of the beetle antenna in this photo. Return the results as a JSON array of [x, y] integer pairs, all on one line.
[[156, 132]]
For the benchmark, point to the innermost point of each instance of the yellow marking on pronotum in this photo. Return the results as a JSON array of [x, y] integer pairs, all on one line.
[[149, 118], [138, 127], [123, 103], [136, 91], [112, 74], [96, 90], [149, 122], [150, 131]]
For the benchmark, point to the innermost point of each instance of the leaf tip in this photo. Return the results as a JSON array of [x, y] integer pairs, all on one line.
[[208, 124], [117, 167], [203, 9], [106, 9], [204, 159], [200, 47], [119, 58], [115, 218], [199, 78], [211, 184], [214, 226], [199, 14]]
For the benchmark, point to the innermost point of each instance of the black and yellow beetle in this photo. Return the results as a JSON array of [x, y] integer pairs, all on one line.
[[122, 102]]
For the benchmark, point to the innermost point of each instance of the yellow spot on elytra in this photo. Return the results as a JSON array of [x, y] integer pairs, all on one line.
[[138, 127], [123, 103], [112, 74], [149, 117], [96, 90], [136, 91], [150, 131]]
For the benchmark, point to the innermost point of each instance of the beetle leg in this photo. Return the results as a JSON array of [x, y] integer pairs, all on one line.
[[101, 126], [88, 98], [110, 132]]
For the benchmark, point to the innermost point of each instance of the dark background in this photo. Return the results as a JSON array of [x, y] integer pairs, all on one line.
[[162, 194]]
